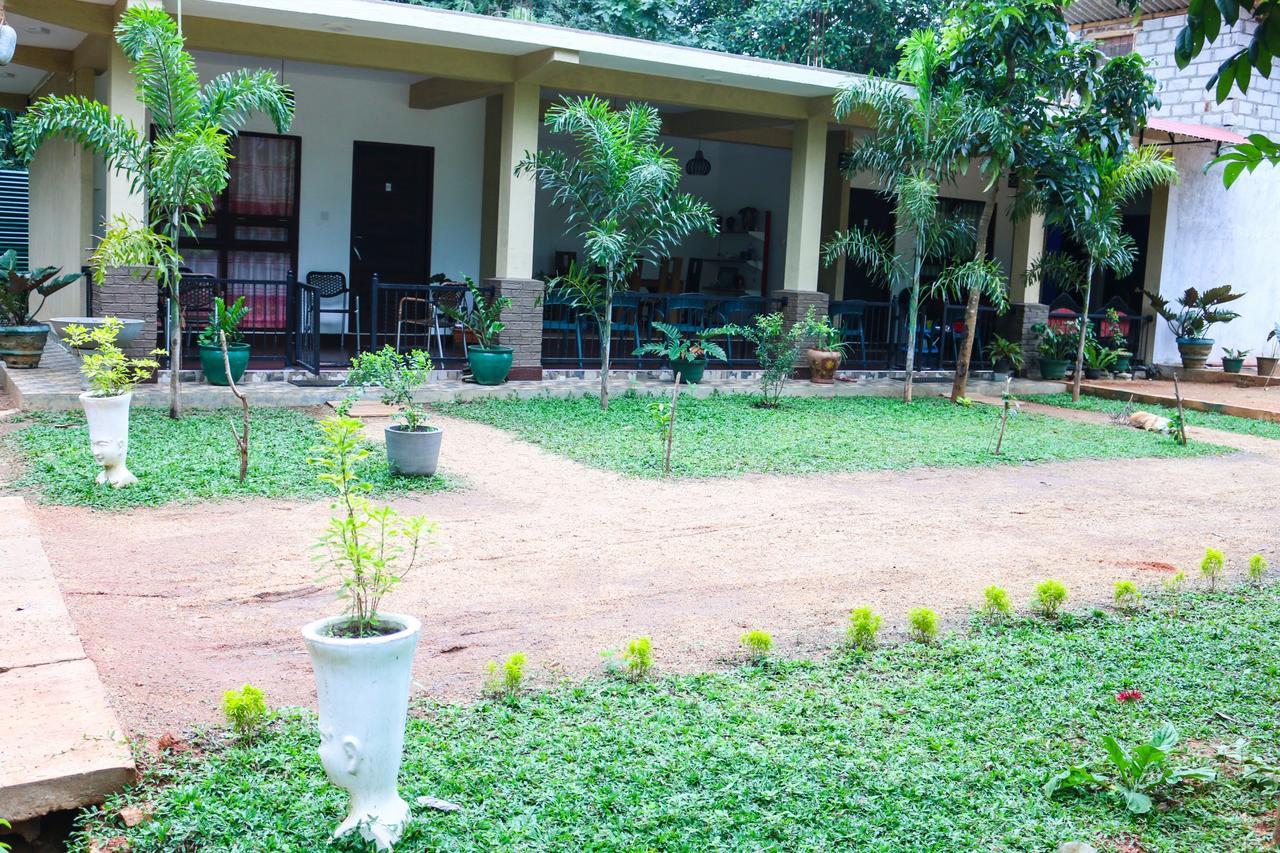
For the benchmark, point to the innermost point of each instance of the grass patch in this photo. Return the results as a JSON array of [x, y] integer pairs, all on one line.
[[725, 435], [912, 747], [191, 459], [1211, 420]]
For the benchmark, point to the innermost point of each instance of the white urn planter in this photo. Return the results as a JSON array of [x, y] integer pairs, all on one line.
[[8, 43], [362, 685], [108, 419]]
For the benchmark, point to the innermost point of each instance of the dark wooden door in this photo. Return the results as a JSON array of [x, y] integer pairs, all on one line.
[[872, 211], [391, 187]]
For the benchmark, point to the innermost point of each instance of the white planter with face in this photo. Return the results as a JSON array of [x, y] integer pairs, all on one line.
[[363, 690], [8, 43], [108, 419]]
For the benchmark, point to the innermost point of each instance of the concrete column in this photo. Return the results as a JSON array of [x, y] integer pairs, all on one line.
[[835, 212], [122, 98], [1028, 246], [804, 209], [489, 187], [797, 306], [1153, 275], [513, 246], [523, 319]]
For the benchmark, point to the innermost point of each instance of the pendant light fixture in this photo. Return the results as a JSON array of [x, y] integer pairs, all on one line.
[[698, 165]]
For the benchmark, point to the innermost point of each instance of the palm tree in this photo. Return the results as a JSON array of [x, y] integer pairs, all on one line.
[[180, 168], [621, 198], [923, 131]]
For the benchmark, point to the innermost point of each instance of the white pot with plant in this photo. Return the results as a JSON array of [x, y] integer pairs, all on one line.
[[413, 447], [112, 376], [363, 659]]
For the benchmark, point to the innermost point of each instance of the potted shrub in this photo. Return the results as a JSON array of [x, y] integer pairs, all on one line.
[[1233, 359], [1267, 363], [22, 338], [1006, 357], [828, 348], [413, 447], [225, 319], [1098, 360], [1056, 348], [363, 659], [1119, 343], [111, 376], [1190, 322], [687, 357], [490, 363]]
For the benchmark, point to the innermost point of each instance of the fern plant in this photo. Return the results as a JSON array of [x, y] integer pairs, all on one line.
[[674, 346], [179, 163]]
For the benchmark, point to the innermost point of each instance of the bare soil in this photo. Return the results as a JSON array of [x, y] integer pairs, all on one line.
[[1251, 396], [545, 556]]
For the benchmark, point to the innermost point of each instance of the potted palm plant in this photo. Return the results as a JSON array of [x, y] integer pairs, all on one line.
[[828, 348], [687, 357], [1233, 359], [1006, 357], [1267, 363], [1190, 322], [111, 376], [363, 659], [1097, 359], [1056, 347], [490, 363], [413, 446], [225, 319], [22, 338]]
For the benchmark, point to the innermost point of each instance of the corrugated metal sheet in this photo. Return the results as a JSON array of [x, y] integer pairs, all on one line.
[[1088, 11], [15, 212]]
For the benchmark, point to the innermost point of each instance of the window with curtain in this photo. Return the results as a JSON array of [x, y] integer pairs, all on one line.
[[252, 232]]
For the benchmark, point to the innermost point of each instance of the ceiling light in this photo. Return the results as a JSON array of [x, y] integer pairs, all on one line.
[[698, 165], [7, 75]]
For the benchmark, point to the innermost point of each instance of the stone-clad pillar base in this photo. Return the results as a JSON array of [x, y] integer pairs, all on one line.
[[131, 293], [1018, 323], [523, 319], [798, 304]]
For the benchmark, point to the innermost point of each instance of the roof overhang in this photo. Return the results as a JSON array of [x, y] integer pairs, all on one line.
[[1191, 132], [1092, 11]]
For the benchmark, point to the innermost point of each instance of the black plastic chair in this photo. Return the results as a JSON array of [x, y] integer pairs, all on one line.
[[333, 284]]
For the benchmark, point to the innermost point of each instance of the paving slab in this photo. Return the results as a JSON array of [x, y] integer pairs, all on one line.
[[61, 744]]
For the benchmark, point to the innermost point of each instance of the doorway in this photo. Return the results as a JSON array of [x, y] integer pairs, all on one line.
[[391, 192]]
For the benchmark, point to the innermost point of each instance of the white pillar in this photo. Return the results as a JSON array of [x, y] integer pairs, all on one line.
[[516, 195], [122, 98], [1028, 246], [804, 209]]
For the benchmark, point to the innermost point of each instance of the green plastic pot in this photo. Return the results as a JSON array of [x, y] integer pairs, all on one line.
[[490, 365], [1123, 363], [1053, 368], [1232, 365], [690, 372], [215, 372]]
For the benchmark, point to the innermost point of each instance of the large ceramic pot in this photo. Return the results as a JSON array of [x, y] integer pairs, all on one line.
[[689, 372], [822, 365], [22, 346], [1194, 352], [414, 453], [1232, 365], [108, 419], [215, 372], [489, 365], [1093, 373], [129, 328], [1053, 368], [362, 688], [1268, 366]]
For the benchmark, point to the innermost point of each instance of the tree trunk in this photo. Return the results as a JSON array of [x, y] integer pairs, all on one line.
[[606, 335], [913, 308], [975, 297], [175, 354], [1084, 326]]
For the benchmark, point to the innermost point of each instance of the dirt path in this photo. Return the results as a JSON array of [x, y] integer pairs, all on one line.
[[546, 556]]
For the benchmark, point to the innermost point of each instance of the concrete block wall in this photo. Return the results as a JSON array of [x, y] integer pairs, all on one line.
[[797, 305], [130, 293], [1017, 325], [523, 319]]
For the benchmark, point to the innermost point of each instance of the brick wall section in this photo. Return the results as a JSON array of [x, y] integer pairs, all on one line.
[[523, 319], [125, 293], [798, 304], [1017, 326]]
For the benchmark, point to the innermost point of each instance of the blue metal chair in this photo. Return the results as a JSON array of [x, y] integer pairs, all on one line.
[[848, 315], [559, 314], [687, 312], [739, 312], [626, 318]]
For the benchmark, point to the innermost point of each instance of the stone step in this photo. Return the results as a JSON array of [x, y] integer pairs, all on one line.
[[61, 744]]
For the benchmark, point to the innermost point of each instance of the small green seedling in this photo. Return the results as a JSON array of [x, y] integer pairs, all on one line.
[[638, 657], [1050, 596], [758, 644], [246, 711], [1257, 569], [1127, 595], [864, 625], [923, 623], [1212, 567], [503, 682], [996, 604]]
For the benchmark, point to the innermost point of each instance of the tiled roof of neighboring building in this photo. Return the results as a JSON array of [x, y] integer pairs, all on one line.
[[1088, 11]]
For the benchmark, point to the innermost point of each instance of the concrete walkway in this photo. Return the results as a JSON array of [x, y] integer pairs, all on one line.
[[61, 746]]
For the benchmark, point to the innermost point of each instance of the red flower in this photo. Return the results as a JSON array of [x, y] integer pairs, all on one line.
[[1129, 696]]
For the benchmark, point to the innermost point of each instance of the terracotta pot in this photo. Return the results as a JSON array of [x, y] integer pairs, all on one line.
[[823, 364]]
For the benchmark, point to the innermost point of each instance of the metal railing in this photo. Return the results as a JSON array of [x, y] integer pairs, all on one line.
[[409, 316], [266, 327]]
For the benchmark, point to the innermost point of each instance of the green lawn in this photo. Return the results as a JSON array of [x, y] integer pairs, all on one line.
[[725, 435], [906, 748], [1212, 420], [188, 460]]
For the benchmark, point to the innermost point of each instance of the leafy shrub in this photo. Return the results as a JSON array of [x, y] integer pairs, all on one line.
[[1174, 583], [246, 710], [1127, 596], [1212, 566], [1136, 772], [776, 349], [638, 657], [399, 376], [758, 644], [1257, 569], [923, 623], [1050, 596], [996, 604], [106, 367], [504, 682], [864, 625]]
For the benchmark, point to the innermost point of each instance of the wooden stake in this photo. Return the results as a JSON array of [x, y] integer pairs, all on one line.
[[671, 427], [242, 440], [1004, 413], [1181, 437]]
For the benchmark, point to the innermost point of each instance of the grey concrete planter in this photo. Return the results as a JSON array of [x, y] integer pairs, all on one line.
[[414, 454]]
